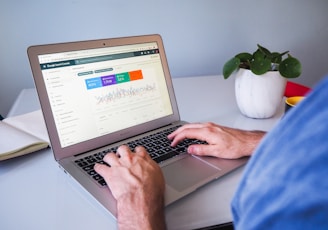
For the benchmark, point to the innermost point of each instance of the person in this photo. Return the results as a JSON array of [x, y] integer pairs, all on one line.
[[283, 185]]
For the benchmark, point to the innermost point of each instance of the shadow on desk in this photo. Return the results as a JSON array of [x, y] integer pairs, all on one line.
[[226, 226]]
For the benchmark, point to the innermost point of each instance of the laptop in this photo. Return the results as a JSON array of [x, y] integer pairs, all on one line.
[[97, 95]]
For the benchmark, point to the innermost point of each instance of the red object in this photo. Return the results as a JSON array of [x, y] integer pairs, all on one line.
[[295, 89]]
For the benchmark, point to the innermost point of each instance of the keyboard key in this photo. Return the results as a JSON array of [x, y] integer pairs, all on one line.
[[88, 168], [92, 173], [102, 182], [97, 177]]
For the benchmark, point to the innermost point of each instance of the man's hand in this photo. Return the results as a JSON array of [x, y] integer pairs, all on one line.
[[137, 183], [222, 141]]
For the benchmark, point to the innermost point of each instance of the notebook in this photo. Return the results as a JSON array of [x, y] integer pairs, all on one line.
[[99, 94]]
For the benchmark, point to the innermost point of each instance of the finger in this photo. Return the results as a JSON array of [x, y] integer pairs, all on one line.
[[190, 133], [141, 151], [102, 169], [111, 159], [200, 150], [182, 128], [107, 173], [127, 157], [211, 150], [123, 150]]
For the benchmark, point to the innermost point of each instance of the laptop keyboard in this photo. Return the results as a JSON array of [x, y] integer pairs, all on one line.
[[157, 145]]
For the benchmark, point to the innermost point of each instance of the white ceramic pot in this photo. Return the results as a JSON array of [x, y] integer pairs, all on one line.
[[259, 96]]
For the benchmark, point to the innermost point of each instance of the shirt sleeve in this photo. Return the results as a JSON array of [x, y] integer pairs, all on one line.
[[284, 185]]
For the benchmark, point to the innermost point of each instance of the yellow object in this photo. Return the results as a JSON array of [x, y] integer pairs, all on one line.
[[292, 101]]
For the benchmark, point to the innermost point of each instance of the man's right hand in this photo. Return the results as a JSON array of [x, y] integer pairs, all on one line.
[[223, 142]]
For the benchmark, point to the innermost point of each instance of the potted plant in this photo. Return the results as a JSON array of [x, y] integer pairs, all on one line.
[[261, 80]]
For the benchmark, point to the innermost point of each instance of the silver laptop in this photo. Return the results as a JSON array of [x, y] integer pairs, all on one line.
[[97, 95]]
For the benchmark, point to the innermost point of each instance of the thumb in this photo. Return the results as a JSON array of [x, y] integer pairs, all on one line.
[[200, 150]]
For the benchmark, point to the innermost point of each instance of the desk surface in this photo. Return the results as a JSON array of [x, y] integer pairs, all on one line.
[[36, 194]]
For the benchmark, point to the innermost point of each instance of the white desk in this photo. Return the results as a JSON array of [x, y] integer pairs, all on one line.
[[36, 194]]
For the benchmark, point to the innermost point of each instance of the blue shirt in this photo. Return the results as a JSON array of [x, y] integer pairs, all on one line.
[[285, 183]]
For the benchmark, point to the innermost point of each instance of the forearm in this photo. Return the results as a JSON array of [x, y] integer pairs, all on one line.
[[141, 213], [250, 140]]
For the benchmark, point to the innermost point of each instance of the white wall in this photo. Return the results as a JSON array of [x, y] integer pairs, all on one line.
[[199, 36]]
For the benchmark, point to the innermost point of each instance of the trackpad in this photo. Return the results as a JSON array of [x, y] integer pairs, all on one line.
[[187, 172]]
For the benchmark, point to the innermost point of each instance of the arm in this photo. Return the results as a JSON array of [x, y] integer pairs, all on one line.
[[222, 141], [137, 184]]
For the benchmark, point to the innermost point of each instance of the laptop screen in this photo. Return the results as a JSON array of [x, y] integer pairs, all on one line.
[[94, 92]]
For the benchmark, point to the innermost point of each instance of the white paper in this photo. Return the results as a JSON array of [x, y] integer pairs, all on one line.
[[22, 135], [32, 123]]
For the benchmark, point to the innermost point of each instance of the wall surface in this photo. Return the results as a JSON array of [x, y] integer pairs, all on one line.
[[199, 36]]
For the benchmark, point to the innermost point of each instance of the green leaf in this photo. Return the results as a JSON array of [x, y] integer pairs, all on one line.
[[276, 57], [265, 51], [230, 66], [258, 54], [260, 66], [244, 57], [290, 68]]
